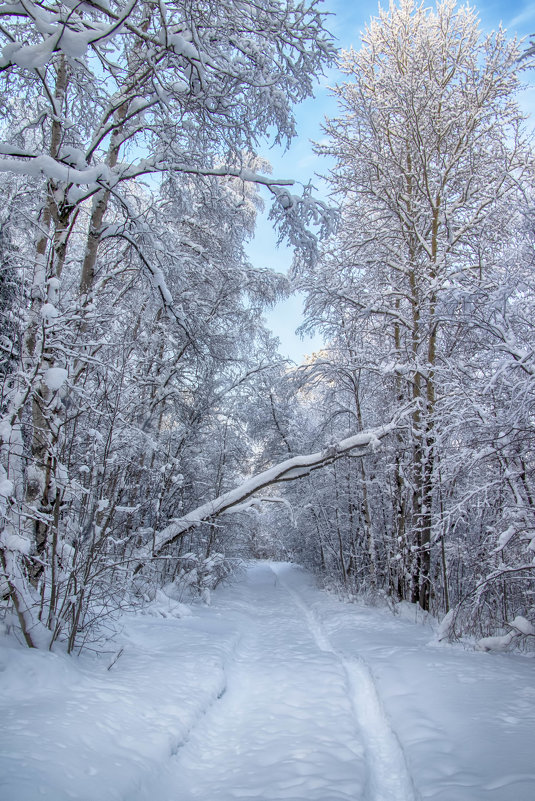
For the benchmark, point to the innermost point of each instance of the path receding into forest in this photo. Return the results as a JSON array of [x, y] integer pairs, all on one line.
[[276, 691], [296, 719]]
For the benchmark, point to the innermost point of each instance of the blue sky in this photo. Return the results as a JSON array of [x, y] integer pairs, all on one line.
[[348, 18]]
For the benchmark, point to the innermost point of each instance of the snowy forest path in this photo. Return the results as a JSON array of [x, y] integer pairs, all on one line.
[[297, 720], [275, 692]]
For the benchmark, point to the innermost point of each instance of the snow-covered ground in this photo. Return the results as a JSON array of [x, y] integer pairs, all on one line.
[[276, 691]]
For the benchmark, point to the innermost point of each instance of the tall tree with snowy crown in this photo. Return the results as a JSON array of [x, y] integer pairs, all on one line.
[[429, 153]]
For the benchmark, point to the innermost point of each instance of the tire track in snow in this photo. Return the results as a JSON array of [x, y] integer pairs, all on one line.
[[389, 778]]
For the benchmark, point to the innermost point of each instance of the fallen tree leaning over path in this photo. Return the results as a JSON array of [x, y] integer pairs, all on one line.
[[289, 470]]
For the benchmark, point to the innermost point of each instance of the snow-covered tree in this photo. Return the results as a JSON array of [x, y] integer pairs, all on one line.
[[135, 128], [430, 168]]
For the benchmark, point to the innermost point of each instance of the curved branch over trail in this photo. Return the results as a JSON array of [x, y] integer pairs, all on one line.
[[289, 470]]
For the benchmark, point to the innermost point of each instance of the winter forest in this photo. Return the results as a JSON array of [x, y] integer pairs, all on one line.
[[151, 434], [225, 575]]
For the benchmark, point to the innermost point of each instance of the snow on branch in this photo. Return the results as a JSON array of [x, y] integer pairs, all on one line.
[[256, 503], [289, 470], [53, 169], [100, 175], [519, 627], [63, 29]]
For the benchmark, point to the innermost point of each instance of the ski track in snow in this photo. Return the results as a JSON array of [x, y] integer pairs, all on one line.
[[388, 778]]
